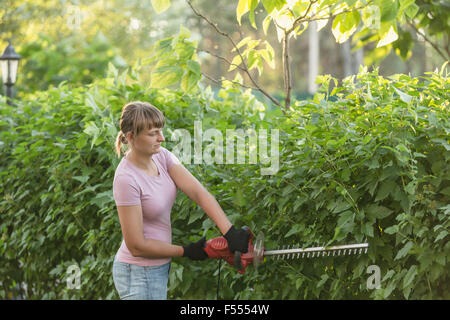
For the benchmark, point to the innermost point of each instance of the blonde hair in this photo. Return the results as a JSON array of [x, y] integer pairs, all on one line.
[[137, 116]]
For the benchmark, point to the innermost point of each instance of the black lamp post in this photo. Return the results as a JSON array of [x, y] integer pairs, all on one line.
[[9, 62]]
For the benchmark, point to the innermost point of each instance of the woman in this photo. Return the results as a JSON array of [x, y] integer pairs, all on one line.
[[145, 187]]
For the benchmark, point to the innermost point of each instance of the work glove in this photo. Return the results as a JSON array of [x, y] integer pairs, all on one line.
[[237, 239], [195, 251]]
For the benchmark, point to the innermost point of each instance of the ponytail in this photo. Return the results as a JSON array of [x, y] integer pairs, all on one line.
[[120, 141]]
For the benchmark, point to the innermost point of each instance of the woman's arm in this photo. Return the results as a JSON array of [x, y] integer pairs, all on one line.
[[132, 230], [187, 183]]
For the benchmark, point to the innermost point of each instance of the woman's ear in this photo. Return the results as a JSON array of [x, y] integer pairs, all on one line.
[[129, 136]]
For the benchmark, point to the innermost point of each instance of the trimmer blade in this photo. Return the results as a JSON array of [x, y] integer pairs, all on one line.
[[258, 250]]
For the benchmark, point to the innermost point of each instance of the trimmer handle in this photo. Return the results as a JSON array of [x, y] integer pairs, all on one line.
[[217, 248], [237, 254]]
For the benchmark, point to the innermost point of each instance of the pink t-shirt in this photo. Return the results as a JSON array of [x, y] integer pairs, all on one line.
[[156, 195]]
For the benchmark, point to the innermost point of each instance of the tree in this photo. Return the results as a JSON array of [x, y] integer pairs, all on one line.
[[431, 24], [374, 21], [59, 40]]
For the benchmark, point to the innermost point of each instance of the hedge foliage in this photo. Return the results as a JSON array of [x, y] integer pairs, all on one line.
[[365, 161]]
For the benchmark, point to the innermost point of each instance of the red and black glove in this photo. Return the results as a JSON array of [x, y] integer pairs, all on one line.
[[237, 239], [195, 251]]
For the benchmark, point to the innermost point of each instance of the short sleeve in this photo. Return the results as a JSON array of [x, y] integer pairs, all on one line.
[[125, 191], [171, 159]]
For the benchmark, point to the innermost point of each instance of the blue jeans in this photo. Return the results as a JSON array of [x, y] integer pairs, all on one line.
[[140, 283]]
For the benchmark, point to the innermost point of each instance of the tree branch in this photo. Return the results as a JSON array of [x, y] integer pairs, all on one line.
[[220, 81], [222, 58], [435, 47], [302, 18], [286, 68], [299, 19], [245, 69], [286, 65], [287, 73]]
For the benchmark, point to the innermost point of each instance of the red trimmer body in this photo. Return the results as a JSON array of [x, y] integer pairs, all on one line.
[[217, 248]]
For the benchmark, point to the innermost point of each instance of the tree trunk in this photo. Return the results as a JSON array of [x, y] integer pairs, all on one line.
[[346, 59], [359, 60], [313, 65]]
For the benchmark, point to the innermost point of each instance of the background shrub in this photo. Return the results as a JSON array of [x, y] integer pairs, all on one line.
[[368, 161]]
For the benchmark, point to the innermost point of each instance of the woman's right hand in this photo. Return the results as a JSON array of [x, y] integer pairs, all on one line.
[[195, 250]]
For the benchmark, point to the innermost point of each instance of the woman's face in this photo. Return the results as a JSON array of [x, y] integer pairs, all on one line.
[[147, 142]]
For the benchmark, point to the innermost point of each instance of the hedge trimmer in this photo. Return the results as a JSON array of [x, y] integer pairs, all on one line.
[[217, 248]]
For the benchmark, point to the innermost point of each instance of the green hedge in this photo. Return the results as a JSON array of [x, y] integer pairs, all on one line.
[[367, 161]]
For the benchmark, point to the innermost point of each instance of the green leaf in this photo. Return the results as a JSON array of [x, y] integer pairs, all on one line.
[[92, 130], [391, 229], [112, 70], [367, 139], [336, 234], [404, 45], [404, 251], [189, 81], [345, 174], [346, 218], [235, 62], [266, 23], [341, 205], [253, 5], [268, 55], [405, 3], [242, 43], [441, 258], [445, 191], [442, 142], [371, 17], [194, 66], [253, 57], [386, 188], [239, 199], [412, 10], [270, 5], [377, 212], [184, 50], [300, 8], [322, 281], [242, 8], [344, 25], [388, 34], [160, 5], [184, 33], [407, 291], [441, 235], [295, 229], [368, 229], [298, 282], [82, 179], [179, 271], [403, 96], [197, 214], [389, 9], [426, 259], [166, 76], [388, 275], [163, 47], [410, 275]]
